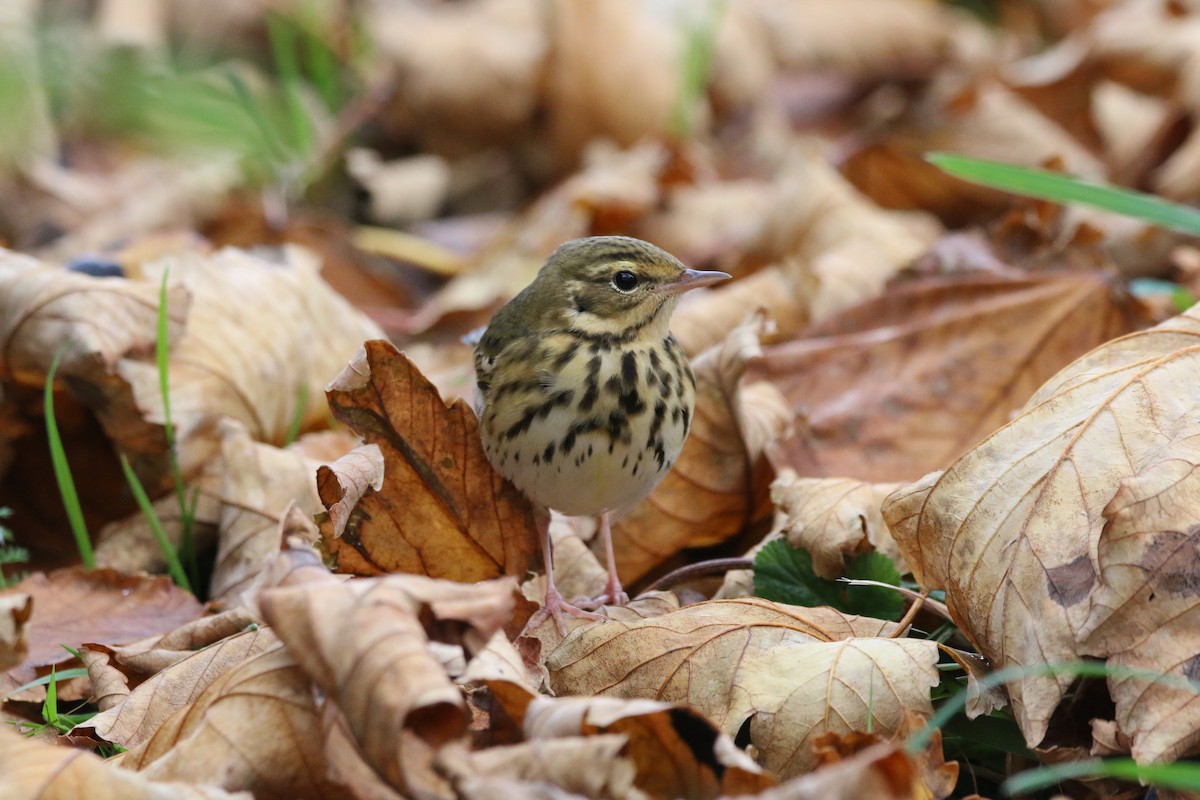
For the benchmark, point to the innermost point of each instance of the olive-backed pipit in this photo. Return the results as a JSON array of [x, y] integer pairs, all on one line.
[[586, 396]]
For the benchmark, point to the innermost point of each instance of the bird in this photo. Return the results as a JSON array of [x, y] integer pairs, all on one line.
[[584, 396]]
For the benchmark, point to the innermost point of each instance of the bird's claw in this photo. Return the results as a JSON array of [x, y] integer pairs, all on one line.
[[555, 606]]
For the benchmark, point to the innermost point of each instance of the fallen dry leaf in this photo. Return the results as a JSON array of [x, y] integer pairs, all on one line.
[[1063, 523], [589, 767], [794, 673], [250, 729], [74, 606], [896, 387], [442, 511], [259, 483], [140, 713], [40, 771], [834, 518], [15, 610], [719, 482], [365, 644]]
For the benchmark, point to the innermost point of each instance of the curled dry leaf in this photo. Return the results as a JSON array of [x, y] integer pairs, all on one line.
[[442, 511], [74, 606], [895, 387], [356, 473], [33, 770], [588, 767], [833, 518], [701, 762], [1064, 533], [110, 686], [795, 673], [364, 643], [156, 653], [15, 609], [720, 481], [140, 713], [259, 483], [250, 729]]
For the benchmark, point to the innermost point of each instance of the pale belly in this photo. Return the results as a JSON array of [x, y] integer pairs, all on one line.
[[582, 458]]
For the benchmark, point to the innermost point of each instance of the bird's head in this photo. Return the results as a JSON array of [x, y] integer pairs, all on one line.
[[617, 285]]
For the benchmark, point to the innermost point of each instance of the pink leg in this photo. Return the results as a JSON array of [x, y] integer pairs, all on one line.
[[554, 604], [614, 594]]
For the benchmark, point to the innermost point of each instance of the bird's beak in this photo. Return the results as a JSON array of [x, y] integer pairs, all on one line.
[[694, 279]]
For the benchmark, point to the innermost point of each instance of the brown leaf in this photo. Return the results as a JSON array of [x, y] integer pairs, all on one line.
[[156, 653], [719, 483], [1054, 537], [110, 686], [896, 387], [443, 511], [364, 643], [39, 771], [250, 729], [74, 606], [795, 673], [137, 716]]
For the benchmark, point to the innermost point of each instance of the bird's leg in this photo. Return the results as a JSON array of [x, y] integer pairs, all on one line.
[[554, 605], [614, 594]]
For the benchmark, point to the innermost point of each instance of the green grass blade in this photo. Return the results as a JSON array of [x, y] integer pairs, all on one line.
[[1086, 669], [293, 431], [1180, 775], [162, 355], [65, 675], [50, 706], [160, 535], [62, 471], [1060, 188]]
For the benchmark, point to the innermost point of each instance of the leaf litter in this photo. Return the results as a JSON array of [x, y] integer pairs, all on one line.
[[364, 574]]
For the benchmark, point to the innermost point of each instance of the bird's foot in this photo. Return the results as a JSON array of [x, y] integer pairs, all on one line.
[[555, 606], [613, 595]]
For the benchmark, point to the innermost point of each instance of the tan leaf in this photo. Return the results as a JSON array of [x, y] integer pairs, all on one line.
[[907, 37], [250, 729], [471, 72], [590, 767], [110, 686], [882, 772], [833, 518], [719, 483], [74, 606], [896, 387], [587, 92], [15, 609], [259, 482], [156, 653], [795, 673], [1036, 542], [143, 711], [363, 642], [39, 771], [845, 243], [1144, 610], [443, 511]]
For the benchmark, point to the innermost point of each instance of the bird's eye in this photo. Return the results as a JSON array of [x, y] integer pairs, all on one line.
[[625, 281]]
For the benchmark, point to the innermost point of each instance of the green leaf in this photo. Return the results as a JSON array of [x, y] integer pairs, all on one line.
[[1060, 188], [874, 601], [784, 574]]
